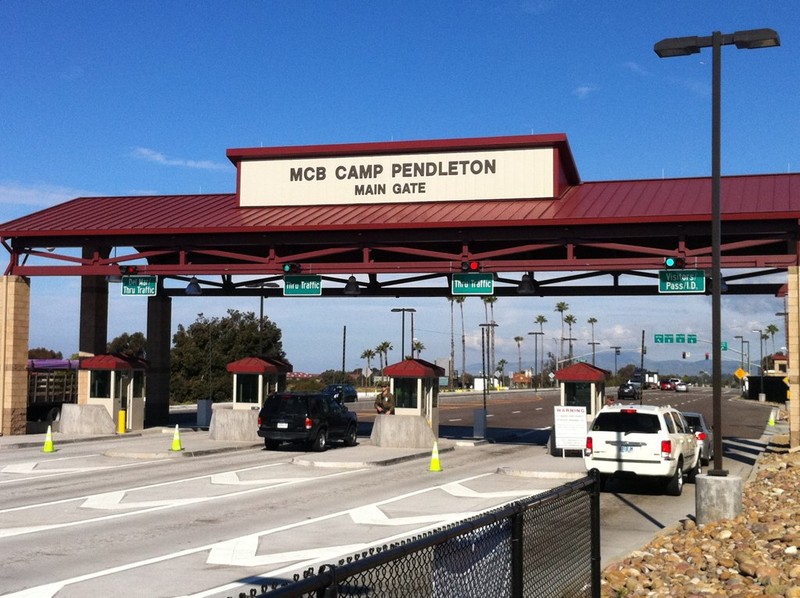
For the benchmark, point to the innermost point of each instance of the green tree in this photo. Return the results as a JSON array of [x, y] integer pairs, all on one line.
[[130, 345], [541, 321], [771, 330], [369, 355], [383, 350], [201, 352], [501, 368], [42, 353], [460, 301], [416, 348]]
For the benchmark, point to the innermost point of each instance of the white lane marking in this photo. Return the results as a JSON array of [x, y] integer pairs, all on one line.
[[30, 468], [515, 412], [99, 502], [372, 515], [459, 490], [457, 419], [242, 552], [50, 590]]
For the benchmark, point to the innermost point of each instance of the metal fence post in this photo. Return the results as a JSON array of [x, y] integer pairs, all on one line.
[[517, 554], [595, 525]]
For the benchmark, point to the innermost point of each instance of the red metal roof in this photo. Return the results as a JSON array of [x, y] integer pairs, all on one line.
[[256, 365], [581, 372], [750, 197], [112, 362], [414, 368]]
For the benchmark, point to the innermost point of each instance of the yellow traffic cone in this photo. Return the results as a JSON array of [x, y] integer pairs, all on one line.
[[771, 421], [435, 465], [48, 442], [176, 440]]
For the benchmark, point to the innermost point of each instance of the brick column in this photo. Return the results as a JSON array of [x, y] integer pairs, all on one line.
[[793, 338], [15, 307]]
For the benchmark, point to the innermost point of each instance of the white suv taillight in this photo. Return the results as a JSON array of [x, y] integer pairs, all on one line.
[[309, 423], [666, 449], [589, 447]]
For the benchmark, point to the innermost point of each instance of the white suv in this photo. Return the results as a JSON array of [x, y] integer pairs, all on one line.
[[642, 440]]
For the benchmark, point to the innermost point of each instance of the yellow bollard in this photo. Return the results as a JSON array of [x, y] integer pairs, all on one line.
[[121, 422]]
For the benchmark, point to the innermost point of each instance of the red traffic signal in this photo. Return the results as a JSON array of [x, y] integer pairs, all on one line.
[[128, 270], [470, 266]]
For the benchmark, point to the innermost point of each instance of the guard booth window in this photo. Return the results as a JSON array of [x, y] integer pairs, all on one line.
[[248, 388], [101, 384], [405, 393], [138, 383], [579, 394]]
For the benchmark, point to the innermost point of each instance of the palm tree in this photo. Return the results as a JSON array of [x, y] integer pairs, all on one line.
[[592, 321], [501, 366], [561, 307], [460, 301], [541, 321], [417, 347], [771, 330], [369, 355], [383, 350], [570, 320], [518, 340], [451, 300]]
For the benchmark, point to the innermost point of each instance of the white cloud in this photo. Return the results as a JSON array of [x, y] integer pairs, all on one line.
[[583, 91], [150, 155]]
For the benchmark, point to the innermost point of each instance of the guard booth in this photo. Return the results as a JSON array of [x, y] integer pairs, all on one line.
[[117, 382], [415, 424], [582, 385], [256, 377]]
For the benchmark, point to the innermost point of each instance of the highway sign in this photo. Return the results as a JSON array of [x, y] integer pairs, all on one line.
[[141, 286], [681, 281], [477, 283], [302, 285]]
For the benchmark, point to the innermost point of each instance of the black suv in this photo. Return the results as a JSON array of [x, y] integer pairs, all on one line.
[[344, 393], [312, 419]]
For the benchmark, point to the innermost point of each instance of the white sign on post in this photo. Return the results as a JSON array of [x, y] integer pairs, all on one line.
[[570, 427]]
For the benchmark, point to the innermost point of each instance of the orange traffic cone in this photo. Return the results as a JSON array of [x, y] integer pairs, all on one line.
[[48, 442], [176, 440], [435, 465]]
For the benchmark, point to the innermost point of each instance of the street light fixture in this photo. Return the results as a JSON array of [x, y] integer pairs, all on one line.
[[403, 311], [685, 46]]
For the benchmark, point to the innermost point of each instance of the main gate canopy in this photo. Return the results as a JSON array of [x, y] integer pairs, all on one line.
[[399, 218]]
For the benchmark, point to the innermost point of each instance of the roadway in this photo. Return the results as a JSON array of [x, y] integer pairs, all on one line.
[[108, 517]]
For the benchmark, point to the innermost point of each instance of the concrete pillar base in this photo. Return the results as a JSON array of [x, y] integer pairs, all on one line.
[[718, 497]]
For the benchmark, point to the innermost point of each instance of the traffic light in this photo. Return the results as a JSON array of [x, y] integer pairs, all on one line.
[[470, 266], [674, 263], [706, 355], [128, 270], [291, 268], [684, 355]]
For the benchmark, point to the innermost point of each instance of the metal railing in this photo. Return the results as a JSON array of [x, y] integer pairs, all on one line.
[[544, 546]]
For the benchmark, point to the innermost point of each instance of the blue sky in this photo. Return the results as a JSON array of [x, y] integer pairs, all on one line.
[[126, 98]]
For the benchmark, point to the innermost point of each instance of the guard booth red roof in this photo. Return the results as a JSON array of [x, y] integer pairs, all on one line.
[[113, 361], [259, 365], [414, 368], [581, 372]]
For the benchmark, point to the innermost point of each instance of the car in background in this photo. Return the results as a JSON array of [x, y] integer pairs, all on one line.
[[344, 393], [703, 433], [665, 385], [307, 418], [628, 391], [652, 441], [681, 387]]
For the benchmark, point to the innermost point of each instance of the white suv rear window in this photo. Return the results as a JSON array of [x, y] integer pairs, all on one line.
[[627, 422]]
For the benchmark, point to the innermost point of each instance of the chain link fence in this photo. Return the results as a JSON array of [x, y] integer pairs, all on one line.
[[544, 546]]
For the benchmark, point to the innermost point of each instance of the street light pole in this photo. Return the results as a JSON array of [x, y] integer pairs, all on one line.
[[741, 338], [616, 352], [761, 360], [685, 46], [536, 336]]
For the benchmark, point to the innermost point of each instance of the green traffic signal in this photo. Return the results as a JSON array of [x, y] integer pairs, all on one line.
[[673, 263]]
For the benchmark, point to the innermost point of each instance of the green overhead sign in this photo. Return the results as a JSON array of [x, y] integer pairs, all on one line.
[[302, 285], [473, 283], [681, 281], [141, 286]]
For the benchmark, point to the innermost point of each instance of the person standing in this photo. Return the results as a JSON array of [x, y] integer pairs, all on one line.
[[384, 402]]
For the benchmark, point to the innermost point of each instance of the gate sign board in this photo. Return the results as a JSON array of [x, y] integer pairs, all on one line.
[[570, 426], [681, 281], [303, 285], [463, 175], [472, 283], [142, 286]]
